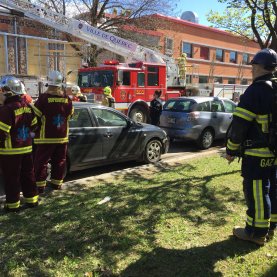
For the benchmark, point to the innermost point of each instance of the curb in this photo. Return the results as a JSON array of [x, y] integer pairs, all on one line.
[[170, 162]]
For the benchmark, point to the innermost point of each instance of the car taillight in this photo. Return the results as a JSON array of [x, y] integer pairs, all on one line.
[[193, 116]]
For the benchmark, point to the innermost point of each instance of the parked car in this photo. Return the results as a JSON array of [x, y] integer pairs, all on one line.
[[201, 119], [100, 135]]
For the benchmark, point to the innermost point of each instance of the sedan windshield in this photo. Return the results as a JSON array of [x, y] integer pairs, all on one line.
[[179, 105], [101, 78]]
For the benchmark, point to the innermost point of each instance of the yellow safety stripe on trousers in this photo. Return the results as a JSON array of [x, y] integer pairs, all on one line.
[[15, 151], [37, 111], [8, 141], [232, 146], [41, 183], [14, 205], [258, 223], [56, 182], [258, 198], [245, 114], [5, 127], [42, 128], [259, 152], [31, 200], [273, 217], [50, 140], [34, 121]]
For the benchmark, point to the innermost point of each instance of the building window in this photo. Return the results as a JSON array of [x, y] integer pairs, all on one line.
[[218, 80], [188, 79], [168, 46], [244, 82], [231, 81], [219, 55], [153, 76], [245, 59], [203, 79], [233, 57], [187, 48], [204, 53]]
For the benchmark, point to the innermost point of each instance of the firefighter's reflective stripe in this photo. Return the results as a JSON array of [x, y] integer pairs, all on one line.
[[42, 128], [259, 152], [8, 141], [258, 199], [264, 223], [37, 111], [263, 121], [274, 218], [245, 114], [50, 140], [41, 183], [15, 151], [56, 182], [31, 200], [232, 146], [5, 127], [34, 121], [14, 205], [72, 111]]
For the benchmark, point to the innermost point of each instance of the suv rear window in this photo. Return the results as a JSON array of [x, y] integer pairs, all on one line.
[[179, 105]]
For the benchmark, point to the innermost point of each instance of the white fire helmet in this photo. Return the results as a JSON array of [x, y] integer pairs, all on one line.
[[75, 90], [55, 79], [12, 84]]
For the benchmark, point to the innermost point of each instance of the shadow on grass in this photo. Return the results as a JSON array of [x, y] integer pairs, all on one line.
[[70, 227], [272, 272], [196, 261]]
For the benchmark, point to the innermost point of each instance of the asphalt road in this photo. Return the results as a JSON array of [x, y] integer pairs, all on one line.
[[176, 149]]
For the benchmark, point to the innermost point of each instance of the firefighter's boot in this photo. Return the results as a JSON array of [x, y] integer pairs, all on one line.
[[270, 234], [240, 233]]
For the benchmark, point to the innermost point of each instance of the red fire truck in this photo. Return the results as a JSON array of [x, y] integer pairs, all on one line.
[[133, 83]]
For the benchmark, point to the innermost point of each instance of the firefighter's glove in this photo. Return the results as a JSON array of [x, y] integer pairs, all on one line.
[[229, 158]]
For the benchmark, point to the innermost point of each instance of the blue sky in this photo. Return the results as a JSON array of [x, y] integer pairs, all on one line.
[[201, 7]]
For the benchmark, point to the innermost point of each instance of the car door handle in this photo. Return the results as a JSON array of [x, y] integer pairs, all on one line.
[[108, 135], [72, 136]]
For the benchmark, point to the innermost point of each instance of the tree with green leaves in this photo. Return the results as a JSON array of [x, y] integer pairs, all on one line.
[[253, 19]]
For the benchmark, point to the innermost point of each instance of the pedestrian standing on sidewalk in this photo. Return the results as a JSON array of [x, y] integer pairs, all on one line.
[[254, 120], [54, 110], [17, 121], [156, 107]]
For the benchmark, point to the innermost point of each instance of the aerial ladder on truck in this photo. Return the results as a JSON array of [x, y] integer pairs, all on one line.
[[80, 29]]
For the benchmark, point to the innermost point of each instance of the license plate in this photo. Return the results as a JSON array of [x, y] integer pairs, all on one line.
[[171, 120]]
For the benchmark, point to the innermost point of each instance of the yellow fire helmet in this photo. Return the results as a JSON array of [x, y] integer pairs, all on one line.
[[107, 91]]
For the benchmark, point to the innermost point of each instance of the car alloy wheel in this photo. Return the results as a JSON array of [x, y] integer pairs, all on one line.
[[153, 151], [206, 139]]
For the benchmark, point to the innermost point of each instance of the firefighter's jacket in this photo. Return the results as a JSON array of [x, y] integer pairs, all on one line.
[[54, 113], [250, 125], [156, 107], [17, 121]]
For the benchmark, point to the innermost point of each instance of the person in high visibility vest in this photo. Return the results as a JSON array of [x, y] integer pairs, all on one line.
[[250, 131], [108, 99], [17, 121], [54, 110]]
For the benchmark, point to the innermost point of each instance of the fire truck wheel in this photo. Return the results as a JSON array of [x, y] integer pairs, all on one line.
[[138, 114], [153, 151]]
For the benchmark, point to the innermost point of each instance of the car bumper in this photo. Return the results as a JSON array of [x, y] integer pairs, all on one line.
[[188, 134]]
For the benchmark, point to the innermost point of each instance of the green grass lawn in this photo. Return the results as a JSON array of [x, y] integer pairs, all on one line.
[[175, 222]]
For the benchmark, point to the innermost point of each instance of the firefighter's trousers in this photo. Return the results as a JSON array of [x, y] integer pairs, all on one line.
[[18, 173], [260, 190], [56, 155]]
